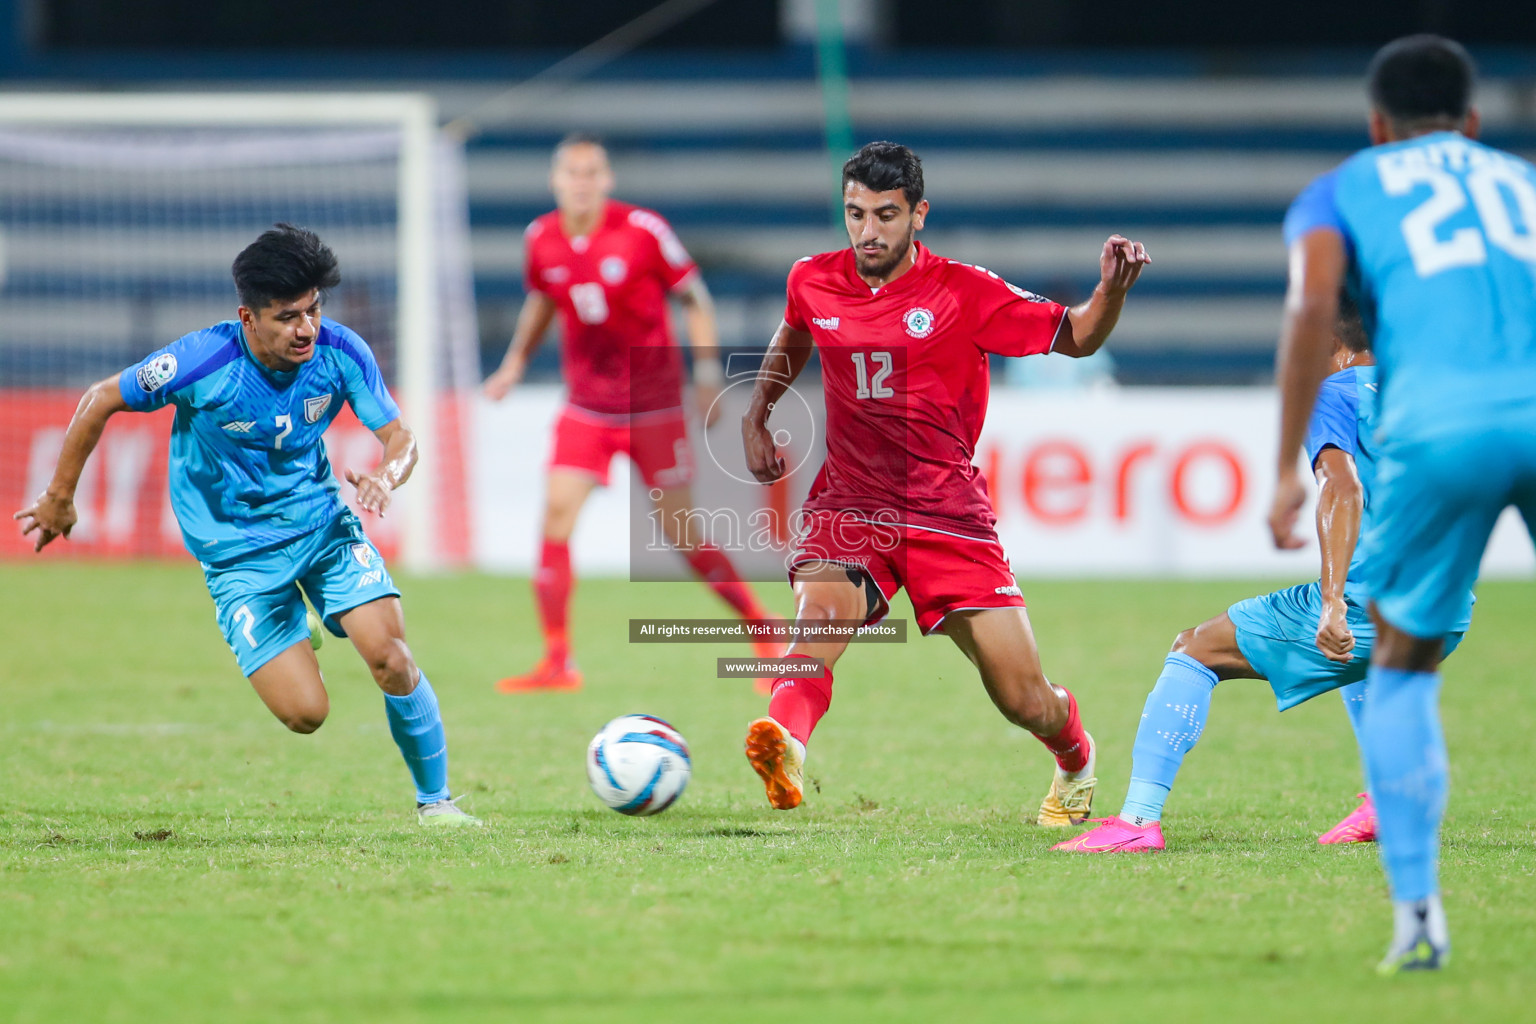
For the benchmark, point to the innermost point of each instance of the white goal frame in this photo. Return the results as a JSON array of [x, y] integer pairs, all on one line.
[[415, 115]]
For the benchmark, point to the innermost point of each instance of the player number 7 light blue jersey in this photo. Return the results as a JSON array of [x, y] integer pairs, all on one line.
[[248, 468], [1441, 236]]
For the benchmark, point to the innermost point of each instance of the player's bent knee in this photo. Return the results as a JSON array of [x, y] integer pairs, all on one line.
[[818, 611], [1208, 648], [830, 605], [304, 724], [1034, 708], [1183, 642], [1036, 717], [393, 667], [304, 718]]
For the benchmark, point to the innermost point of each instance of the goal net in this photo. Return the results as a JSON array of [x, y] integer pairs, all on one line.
[[119, 218]]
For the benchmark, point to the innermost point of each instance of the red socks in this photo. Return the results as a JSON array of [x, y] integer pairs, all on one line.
[[1070, 745], [552, 589], [711, 566], [798, 704]]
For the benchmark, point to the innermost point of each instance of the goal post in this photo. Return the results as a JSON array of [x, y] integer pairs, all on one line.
[[304, 135]]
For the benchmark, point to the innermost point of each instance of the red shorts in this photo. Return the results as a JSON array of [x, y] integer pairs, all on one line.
[[657, 443], [943, 572]]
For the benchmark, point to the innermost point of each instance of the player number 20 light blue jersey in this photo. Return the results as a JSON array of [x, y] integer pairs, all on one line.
[[1441, 236], [248, 468]]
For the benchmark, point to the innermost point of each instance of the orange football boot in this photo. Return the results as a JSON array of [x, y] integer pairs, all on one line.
[[777, 758], [546, 675]]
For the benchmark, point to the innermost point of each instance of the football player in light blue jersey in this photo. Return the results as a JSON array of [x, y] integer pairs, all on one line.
[[1304, 640], [257, 502], [1435, 236]]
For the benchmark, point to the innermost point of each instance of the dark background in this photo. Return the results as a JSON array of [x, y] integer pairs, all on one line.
[[1201, 24], [388, 24], [361, 25]]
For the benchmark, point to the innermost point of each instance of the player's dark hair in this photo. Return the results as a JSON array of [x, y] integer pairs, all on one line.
[[579, 139], [284, 263], [884, 167], [1350, 326], [1422, 78]]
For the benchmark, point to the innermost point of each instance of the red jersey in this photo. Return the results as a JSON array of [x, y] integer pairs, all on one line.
[[611, 289], [906, 380]]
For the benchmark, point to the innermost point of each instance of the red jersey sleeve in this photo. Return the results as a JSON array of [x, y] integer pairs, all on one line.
[[671, 260], [531, 275], [792, 315], [1009, 321]]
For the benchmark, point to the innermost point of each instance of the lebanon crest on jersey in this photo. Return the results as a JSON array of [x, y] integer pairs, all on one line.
[[918, 321]]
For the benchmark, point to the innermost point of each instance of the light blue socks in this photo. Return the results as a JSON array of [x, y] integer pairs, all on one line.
[[1406, 764], [417, 726], [1171, 723], [1354, 706]]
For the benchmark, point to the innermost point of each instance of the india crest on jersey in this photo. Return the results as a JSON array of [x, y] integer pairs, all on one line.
[[315, 407]]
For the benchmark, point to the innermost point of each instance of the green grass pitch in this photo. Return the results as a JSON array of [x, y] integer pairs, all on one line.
[[168, 852]]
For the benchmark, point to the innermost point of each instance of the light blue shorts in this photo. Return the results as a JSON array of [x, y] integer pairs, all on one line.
[[259, 600], [1434, 505], [1277, 633]]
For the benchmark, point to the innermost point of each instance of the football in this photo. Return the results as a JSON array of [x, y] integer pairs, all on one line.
[[638, 764]]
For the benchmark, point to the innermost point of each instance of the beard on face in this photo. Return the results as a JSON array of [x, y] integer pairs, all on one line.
[[882, 263]]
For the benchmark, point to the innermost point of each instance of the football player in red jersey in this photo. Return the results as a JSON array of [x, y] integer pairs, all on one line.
[[904, 337], [607, 268]]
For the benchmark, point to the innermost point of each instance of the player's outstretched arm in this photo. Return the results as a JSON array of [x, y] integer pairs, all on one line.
[[1089, 323], [374, 489], [1317, 263], [787, 355], [704, 339], [52, 514], [1340, 499], [533, 321]]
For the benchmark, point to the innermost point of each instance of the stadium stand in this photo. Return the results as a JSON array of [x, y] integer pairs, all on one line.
[[1026, 176]]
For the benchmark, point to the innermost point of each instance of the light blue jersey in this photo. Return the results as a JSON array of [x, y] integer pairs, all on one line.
[[248, 469], [1345, 418], [1277, 632], [1441, 236]]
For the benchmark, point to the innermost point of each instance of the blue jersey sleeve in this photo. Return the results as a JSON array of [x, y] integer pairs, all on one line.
[[1315, 208], [167, 375], [366, 392], [1335, 419]]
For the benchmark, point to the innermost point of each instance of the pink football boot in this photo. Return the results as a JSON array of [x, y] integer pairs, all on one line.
[[1359, 827], [1114, 835]]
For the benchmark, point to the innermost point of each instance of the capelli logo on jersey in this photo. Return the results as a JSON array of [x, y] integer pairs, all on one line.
[[1009, 591], [918, 321], [826, 323]]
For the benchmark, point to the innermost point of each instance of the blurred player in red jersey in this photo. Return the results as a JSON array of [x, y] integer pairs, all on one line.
[[904, 337], [607, 268]]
